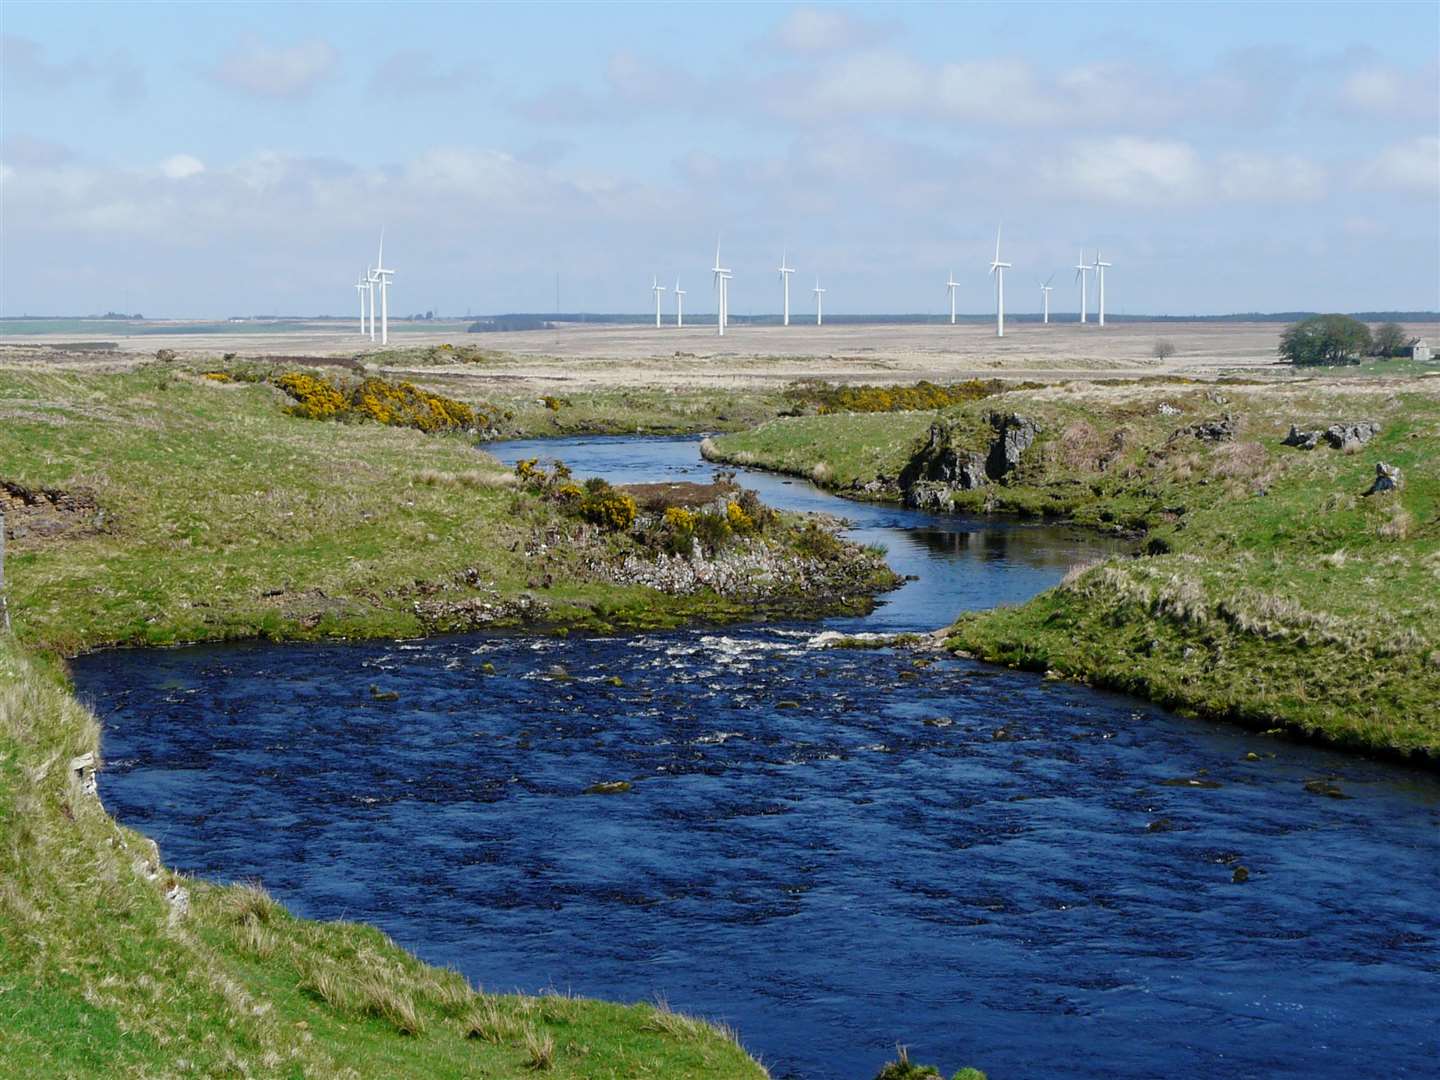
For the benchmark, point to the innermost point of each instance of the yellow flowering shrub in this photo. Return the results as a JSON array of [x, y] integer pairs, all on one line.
[[612, 510], [315, 398], [396, 404], [217, 376], [740, 522]]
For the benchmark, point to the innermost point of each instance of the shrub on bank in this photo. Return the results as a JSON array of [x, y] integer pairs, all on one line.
[[394, 404]]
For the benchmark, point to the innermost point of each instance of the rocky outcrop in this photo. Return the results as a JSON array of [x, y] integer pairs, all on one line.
[[1349, 436], [1014, 435], [940, 467], [1387, 478], [1222, 430], [43, 513]]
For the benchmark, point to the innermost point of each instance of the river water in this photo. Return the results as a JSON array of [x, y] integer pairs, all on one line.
[[831, 850]]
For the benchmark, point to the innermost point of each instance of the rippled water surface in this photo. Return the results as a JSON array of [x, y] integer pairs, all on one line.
[[831, 850]]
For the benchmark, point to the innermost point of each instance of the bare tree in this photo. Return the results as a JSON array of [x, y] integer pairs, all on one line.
[[1163, 350]]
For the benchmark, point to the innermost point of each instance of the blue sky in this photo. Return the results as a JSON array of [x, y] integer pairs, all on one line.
[[214, 159]]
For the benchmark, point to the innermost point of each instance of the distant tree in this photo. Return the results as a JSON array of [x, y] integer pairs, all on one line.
[[1325, 339], [1390, 339], [429, 314], [1163, 349]]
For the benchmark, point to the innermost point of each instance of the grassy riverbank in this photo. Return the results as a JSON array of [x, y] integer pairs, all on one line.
[[1271, 590], [169, 507]]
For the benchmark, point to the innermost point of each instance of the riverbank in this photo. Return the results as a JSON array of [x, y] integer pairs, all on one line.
[[1272, 590], [157, 506]]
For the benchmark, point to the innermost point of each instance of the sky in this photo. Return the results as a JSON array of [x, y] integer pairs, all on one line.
[[208, 160]]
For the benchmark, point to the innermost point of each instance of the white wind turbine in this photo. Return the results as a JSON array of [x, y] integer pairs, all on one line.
[[998, 268], [361, 287], [951, 285], [679, 304], [657, 289], [819, 303], [722, 292], [370, 292], [1081, 269], [381, 277], [1100, 266], [785, 271], [1045, 295]]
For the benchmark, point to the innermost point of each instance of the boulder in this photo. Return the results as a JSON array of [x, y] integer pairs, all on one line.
[[1305, 440], [1014, 434], [1222, 430], [1387, 478], [1345, 436]]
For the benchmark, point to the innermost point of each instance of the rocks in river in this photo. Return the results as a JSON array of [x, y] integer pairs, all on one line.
[[609, 787], [1191, 782], [1159, 825], [1328, 788], [939, 721], [376, 694], [1240, 875], [1387, 478]]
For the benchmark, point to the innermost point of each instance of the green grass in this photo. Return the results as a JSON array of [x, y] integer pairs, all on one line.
[[1272, 590]]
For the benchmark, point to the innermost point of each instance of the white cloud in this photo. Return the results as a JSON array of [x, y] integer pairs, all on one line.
[[1269, 177], [813, 29], [277, 71], [181, 166], [416, 73], [1374, 89], [24, 66], [1128, 169], [1411, 166]]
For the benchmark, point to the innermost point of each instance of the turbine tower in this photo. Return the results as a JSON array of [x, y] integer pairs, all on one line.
[[1100, 266], [382, 278], [951, 285], [722, 292], [360, 287], [1045, 295], [819, 303], [1081, 269], [657, 289], [679, 304], [998, 268], [785, 271], [370, 292]]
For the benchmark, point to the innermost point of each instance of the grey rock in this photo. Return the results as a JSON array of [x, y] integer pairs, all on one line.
[[1014, 435], [1387, 478], [1222, 430], [1305, 440], [1341, 436]]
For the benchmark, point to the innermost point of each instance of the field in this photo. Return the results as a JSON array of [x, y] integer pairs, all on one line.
[[579, 358]]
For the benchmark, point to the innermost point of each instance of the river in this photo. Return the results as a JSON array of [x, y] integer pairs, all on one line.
[[831, 850]]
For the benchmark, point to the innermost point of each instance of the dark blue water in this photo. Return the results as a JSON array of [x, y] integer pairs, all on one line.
[[831, 850]]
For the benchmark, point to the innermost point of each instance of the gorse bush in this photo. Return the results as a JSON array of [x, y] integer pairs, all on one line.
[[394, 404], [895, 398], [612, 510]]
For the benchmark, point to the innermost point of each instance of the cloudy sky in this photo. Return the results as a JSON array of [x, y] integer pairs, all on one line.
[[208, 159]]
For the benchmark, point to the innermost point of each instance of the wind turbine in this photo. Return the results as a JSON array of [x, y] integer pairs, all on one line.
[[1045, 295], [382, 278], [998, 268], [1080, 271], [679, 304], [819, 303], [1100, 266], [722, 292], [785, 271], [657, 289], [370, 292], [360, 287], [951, 284]]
